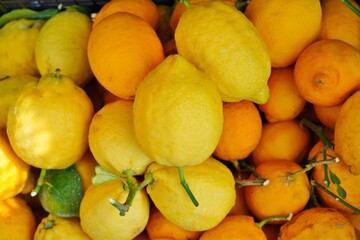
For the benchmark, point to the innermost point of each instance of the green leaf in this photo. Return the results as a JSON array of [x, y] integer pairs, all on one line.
[[102, 176], [61, 193], [341, 192], [334, 178], [27, 13]]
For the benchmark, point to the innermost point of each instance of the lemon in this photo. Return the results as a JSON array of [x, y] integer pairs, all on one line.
[[212, 184], [112, 139], [62, 44], [237, 60], [57, 228], [14, 171], [48, 124], [178, 115], [17, 47], [101, 220], [11, 88], [17, 221]]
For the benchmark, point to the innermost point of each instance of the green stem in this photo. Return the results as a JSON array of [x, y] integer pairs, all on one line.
[[186, 186], [186, 3], [318, 131], [352, 7], [39, 183], [336, 197], [272, 219], [133, 189]]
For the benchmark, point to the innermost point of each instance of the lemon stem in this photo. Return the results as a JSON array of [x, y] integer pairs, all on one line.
[[274, 218], [311, 165], [186, 3], [352, 7], [186, 186], [247, 182], [39, 183], [337, 198], [133, 189]]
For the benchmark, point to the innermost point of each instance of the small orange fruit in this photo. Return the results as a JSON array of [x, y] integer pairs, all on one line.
[[327, 115], [293, 25], [318, 223], [145, 9], [159, 227], [116, 45], [241, 131], [328, 83], [232, 227], [286, 193], [285, 101], [278, 142], [340, 22]]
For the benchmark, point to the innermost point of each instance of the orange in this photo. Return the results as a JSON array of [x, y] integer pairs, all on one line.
[[347, 133], [170, 47], [86, 169], [241, 131], [122, 50], [293, 25], [287, 140], [159, 227], [14, 171], [286, 193], [318, 223], [179, 8], [285, 101], [327, 72], [340, 22], [145, 9], [327, 115], [240, 207], [233, 228], [17, 221], [342, 171]]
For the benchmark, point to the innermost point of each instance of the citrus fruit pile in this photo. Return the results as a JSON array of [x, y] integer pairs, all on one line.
[[196, 119]]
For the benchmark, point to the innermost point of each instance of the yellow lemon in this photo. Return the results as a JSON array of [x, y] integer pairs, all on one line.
[[17, 221], [62, 44], [211, 183], [14, 171], [237, 60], [17, 47], [57, 228], [11, 88], [178, 115], [101, 220], [112, 139], [48, 125]]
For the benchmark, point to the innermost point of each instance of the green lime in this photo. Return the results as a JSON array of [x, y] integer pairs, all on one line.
[[61, 193]]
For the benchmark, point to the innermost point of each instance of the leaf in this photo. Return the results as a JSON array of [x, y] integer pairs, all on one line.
[[102, 176], [334, 178], [27, 13], [341, 192]]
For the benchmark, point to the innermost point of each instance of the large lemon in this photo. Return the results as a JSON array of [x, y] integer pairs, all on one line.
[[48, 124], [219, 40], [178, 115]]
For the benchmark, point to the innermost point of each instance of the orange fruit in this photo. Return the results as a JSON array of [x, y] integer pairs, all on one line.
[[327, 72], [179, 8], [232, 227], [278, 142], [120, 42], [340, 22], [86, 169], [347, 133], [327, 115], [318, 223], [287, 27], [285, 193], [241, 131], [342, 171], [145, 9], [240, 207], [285, 101], [17, 220], [159, 227]]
